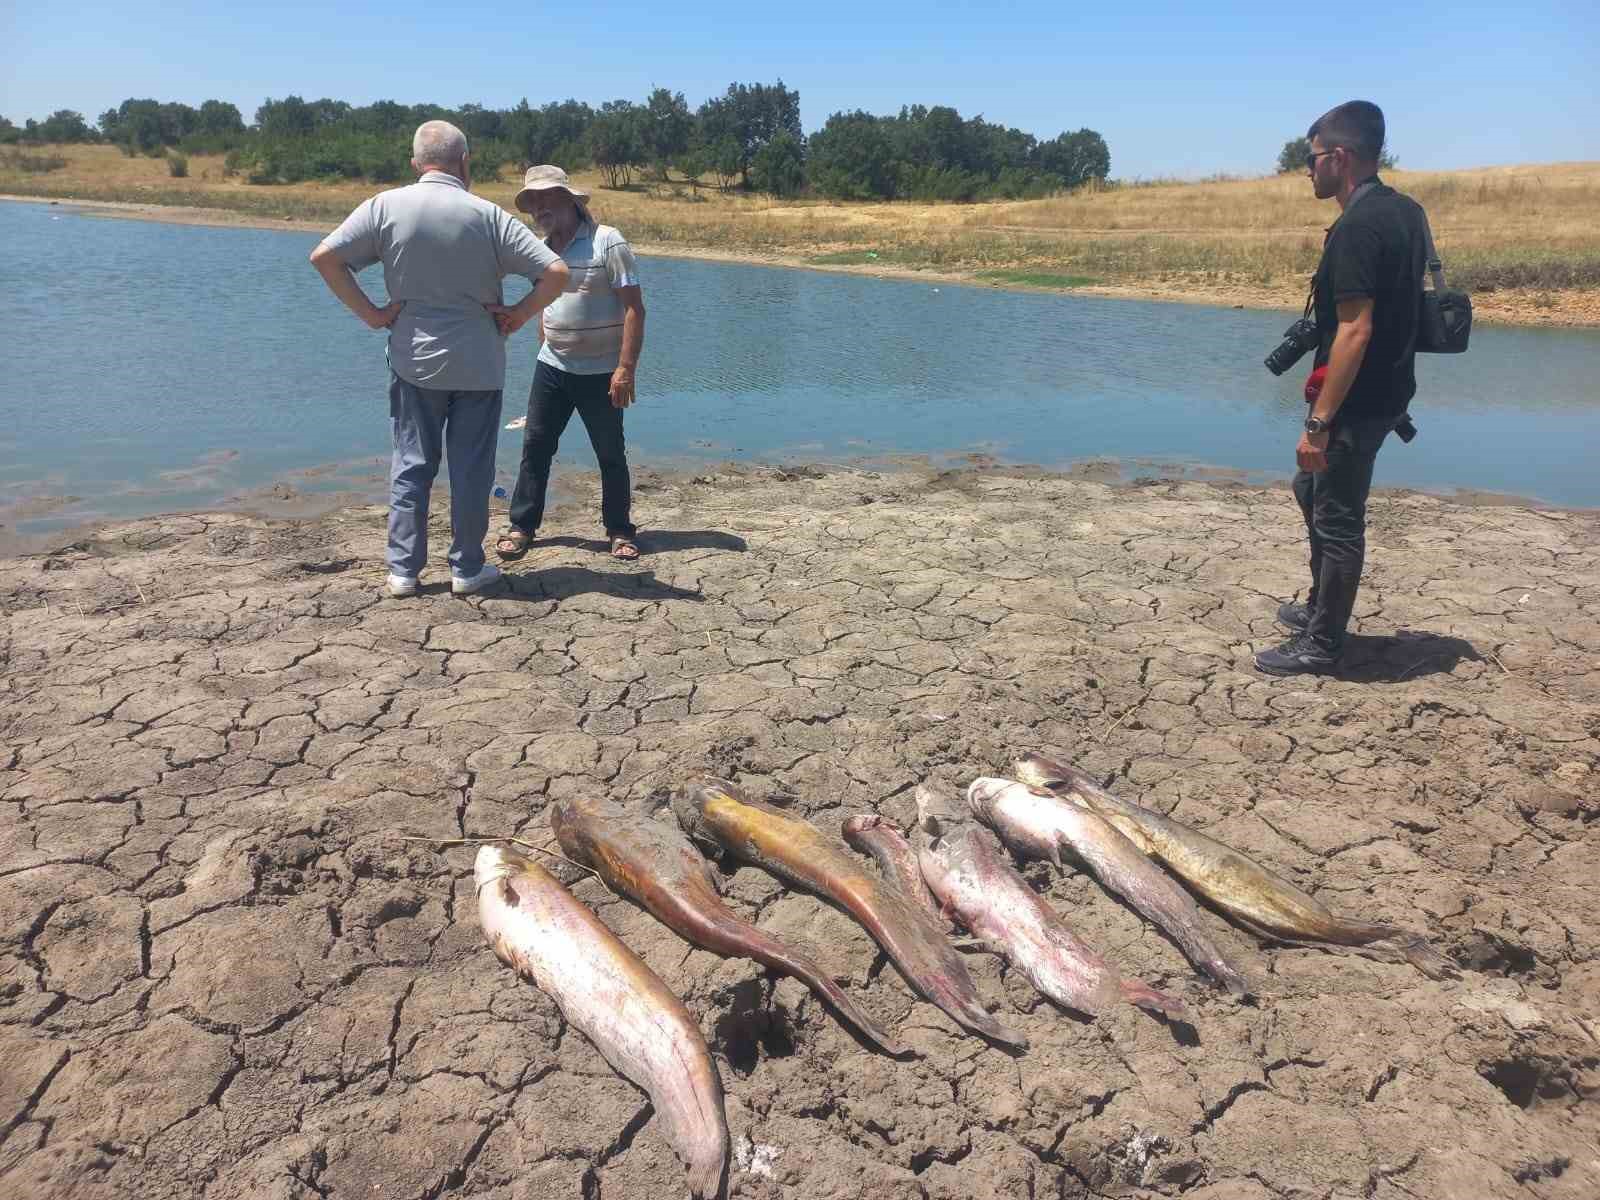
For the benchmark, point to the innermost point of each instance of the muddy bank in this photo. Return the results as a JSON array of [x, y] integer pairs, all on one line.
[[224, 974]]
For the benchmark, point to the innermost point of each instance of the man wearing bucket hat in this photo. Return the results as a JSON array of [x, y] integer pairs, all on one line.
[[444, 252], [592, 335]]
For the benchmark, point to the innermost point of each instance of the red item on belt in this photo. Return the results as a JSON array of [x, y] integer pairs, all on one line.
[[1314, 383]]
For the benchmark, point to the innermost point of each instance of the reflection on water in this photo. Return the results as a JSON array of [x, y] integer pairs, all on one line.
[[157, 367]]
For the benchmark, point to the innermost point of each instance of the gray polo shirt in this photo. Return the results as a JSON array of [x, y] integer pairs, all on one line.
[[444, 252], [583, 325]]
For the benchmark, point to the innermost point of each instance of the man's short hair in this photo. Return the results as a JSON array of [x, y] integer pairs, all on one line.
[[438, 144], [1357, 125]]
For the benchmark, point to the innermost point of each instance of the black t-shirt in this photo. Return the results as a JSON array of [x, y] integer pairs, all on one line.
[[1376, 250]]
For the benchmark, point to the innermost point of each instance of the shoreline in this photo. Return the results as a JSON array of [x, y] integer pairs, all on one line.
[[1572, 309], [268, 503]]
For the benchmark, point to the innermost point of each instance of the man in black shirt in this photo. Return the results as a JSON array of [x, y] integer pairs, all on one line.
[[1368, 292]]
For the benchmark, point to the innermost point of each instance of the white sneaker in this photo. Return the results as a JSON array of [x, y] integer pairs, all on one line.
[[471, 585], [401, 586]]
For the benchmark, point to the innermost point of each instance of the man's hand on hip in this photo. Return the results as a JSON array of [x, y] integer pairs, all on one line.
[[507, 319], [1312, 452], [622, 387], [382, 318]]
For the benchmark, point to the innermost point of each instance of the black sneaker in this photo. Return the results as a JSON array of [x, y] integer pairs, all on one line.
[[1294, 616], [1298, 656]]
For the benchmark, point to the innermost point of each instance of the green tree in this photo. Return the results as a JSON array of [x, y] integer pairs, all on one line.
[[1075, 158], [727, 161], [289, 117], [219, 118], [850, 158], [64, 125], [750, 116], [135, 125], [1292, 157], [693, 163], [10, 135], [616, 142], [779, 168], [667, 127]]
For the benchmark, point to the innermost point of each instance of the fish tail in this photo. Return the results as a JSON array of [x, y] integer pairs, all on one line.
[[1137, 992], [1227, 975], [706, 1171], [1393, 944], [1421, 955], [746, 940], [832, 994]]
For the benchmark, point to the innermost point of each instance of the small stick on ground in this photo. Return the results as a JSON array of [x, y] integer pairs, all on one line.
[[1126, 713], [523, 842]]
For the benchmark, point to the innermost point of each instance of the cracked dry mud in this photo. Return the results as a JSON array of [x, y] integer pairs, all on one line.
[[224, 974]]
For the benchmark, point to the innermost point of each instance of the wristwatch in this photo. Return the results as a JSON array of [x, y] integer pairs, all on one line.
[[1316, 425]]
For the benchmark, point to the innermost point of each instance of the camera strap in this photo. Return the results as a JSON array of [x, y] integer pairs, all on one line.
[[1435, 266]]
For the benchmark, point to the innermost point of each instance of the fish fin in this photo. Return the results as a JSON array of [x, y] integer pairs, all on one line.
[[1421, 955], [1225, 974], [1148, 998]]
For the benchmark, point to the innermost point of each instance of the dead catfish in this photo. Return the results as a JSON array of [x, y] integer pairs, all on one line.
[[655, 865], [972, 877], [714, 810], [540, 929], [1250, 894], [1036, 823]]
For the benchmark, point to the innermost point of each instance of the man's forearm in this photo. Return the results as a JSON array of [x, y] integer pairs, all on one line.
[[551, 284], [342, 283], [1344, 362], [632, 338]]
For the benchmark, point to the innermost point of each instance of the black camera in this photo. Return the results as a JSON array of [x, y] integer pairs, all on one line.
[[1297, 339]]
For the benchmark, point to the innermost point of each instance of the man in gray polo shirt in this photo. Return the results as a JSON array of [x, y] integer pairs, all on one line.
[[444, 252]]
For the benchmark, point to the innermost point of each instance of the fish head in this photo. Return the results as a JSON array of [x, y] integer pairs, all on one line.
[[496, 862], [984, 793], [691, 802], [1037, 770]]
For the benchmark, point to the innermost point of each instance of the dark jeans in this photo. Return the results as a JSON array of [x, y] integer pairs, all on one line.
[[1334, 504], [555, 395]]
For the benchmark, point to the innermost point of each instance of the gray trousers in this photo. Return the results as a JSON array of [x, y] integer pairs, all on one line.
[[428, 425]]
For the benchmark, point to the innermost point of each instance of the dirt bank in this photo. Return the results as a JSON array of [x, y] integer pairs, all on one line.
[[223, 974], [1573, 308]]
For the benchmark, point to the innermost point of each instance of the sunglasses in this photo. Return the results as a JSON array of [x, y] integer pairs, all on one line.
[[1311, 159]]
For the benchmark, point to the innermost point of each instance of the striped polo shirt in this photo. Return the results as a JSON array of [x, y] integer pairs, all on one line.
[[583, 325]]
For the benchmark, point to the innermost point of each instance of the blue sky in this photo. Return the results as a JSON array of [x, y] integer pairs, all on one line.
[[1176, 89]]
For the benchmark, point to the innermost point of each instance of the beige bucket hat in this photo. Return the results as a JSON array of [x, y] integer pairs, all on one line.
[[544, 177]]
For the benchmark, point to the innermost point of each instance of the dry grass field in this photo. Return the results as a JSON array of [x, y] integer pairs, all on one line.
[[1525, 239]]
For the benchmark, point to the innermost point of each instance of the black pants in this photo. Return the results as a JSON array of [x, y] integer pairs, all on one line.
[[1334, 504], [555, 395]]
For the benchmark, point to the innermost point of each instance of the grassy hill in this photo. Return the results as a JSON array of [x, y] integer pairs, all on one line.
[[1525, 239]]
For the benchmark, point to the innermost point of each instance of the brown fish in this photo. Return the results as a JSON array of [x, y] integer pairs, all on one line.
[[658, 867], [1038, 824], [541, 931], [794, 850], [1255, 897], [973, 877], [897, 859]]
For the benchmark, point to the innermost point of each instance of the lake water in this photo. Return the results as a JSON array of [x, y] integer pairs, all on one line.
[[158, 367]]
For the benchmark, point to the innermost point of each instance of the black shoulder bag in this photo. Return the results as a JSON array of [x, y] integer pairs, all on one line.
[[1445, 318]]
